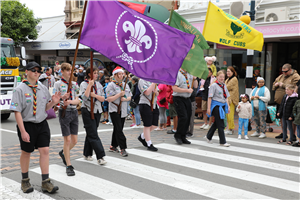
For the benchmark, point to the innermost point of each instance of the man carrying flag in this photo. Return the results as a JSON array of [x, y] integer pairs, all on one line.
[[144, 46]]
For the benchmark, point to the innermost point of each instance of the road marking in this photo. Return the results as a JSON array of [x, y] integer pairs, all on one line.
[[260, 144], [224, 171], [9, 131], [248, 151], [176, 180], [93, 185], [11, 189], [231, 158]]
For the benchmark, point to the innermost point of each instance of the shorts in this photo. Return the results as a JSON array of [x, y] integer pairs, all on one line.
[[204, 105], [105, 106], [68, 124], [39, 136], [149, 117], [172, 110]]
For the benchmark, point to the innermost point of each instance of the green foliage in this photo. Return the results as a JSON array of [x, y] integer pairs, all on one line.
[[18, 22], [235, 28]]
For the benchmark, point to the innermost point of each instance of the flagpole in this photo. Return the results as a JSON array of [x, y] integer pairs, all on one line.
[[75, 56], [92, 77], [170, 16], [250, 54]]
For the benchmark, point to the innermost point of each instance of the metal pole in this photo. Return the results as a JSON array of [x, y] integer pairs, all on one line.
[[250, 53]]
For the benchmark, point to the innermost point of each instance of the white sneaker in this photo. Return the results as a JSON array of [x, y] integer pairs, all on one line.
[[240, 137], [225, 145], [246, 137], [255, 134], [88, 158], [207, 127], [262, 135], [134, 126], [108, 123], [203, 126], [228, 132], [208, 141], [101, 161]]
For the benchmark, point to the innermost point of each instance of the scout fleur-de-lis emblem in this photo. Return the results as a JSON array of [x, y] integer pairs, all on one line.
[[137, 36]]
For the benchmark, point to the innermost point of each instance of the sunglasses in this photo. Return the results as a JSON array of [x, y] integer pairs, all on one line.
[[35, 70], [285, 71]]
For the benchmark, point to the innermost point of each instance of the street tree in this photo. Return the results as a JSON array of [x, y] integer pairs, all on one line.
[[18, 22]]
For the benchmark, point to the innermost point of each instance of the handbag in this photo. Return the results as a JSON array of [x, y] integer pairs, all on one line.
[[132, 104], [163, 101], [51, 114]]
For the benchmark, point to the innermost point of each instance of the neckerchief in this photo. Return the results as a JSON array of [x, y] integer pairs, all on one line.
[[255, 77], [33, 87], [63, 80], [118, 84], [95, 87], [223, 87], [49, 80], [186, 78]]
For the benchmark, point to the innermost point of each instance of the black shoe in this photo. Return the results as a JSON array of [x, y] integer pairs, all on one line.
[[185, 141], [279, 136], [188, 134], [62, 157], [178, 140], [170, 132], [143, 141], [152, 148], [70, 171]]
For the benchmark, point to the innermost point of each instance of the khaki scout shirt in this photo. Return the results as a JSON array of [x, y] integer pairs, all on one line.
[[143, 86], [22, 101], [181, 82], [112, 90], [62, 87], [86, 101]]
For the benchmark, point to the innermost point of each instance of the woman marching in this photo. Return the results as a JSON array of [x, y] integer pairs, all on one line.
[[117, 92], [149, 112], [217, 106], [92, 140]]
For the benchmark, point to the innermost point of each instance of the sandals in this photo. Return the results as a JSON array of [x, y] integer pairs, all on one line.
[[289, 143], [297, 144], [281, 141]]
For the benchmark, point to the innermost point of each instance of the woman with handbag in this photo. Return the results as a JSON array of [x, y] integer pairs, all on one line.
[[163, 106], [149, 111]]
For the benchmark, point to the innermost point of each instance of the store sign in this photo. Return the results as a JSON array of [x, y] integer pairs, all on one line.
[[36, 46], [72, 53], [64, 45], [282, 29]]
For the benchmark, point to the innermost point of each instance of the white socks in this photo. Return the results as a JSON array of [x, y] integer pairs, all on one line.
[[149, 143], [142, 136]]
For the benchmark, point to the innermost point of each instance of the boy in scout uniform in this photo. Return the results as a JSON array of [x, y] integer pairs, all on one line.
[[115, 95], [47, 78], [182, 91], [30, 101], [68, 123]]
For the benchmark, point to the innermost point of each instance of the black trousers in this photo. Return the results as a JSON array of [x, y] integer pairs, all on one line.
[[183, 108], [92, 140], [218, 124], [118, 137]]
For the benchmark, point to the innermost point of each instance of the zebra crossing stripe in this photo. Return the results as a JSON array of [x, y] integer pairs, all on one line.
[[93, 185], [224, 171], [11, 189], [231, 158], [248, 151], [183, 182], [260, 144]]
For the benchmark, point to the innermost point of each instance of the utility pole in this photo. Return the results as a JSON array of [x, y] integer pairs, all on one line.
[[250, 53]]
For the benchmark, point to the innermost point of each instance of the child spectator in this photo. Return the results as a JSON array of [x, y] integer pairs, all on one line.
[[244, 109], [285, 112], [296, 113], [105, 103]]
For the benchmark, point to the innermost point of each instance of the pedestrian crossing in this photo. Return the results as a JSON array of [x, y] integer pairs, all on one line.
[[246, 170]]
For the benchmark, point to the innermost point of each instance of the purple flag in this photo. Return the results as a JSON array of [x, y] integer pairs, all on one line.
[[142, 45]]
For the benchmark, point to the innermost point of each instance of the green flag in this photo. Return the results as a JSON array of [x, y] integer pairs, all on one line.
[[194, 62]]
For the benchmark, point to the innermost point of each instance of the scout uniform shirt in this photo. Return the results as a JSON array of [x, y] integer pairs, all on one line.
[[112, 90], [86, 101], [62, 87], [144, 99], [48, 82], [22, 101], [216, 92], [181, 82]]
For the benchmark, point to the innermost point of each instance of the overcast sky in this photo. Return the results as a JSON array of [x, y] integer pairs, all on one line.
[[45, 8]]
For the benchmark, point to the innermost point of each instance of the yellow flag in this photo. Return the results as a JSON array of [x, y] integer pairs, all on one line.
[[223, 28]]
